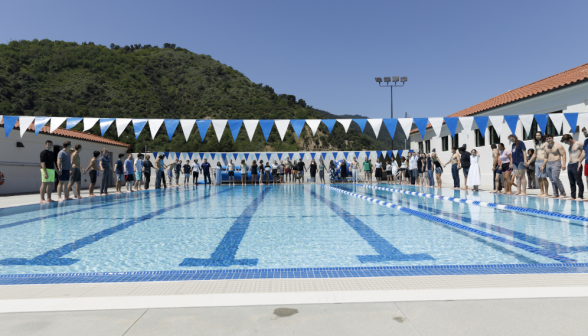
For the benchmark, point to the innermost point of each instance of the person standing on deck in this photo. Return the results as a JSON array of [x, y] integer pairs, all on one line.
[[538, 158], [301, 169], [519, 164], [47, 172], [138, 172], [104, 164], [76, 171], [554, 153], [495, 170], [187, 169], [119, 170], [93, 169], [147, 165], [129, 173], [454, 160], [464, 164], [577, 154], [64, 166], [356, 169], [231, 172], [585, 131], [195, 170], [206, 171]]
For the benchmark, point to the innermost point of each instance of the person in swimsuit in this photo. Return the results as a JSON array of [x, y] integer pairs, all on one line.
[[454, 167], [555, 153], [438, 167], [253, 172], [519, 164], [92, 168], [537, 159], [496, 169], [76, 171], [577, 155], [506, 167]]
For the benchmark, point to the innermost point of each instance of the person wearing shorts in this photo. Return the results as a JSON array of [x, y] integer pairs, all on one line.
[[92, 170], [186, 167], [253, 169], [47, 172], [367, 170], [519, 164], [244, 170], [195, 170], [281, 171], [301, 169], [119, 171], [129, 172], [64, 166], [288, 170], [138, 172], [231, 172]]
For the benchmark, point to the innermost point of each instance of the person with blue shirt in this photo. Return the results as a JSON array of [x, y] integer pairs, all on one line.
[[206, 171], [519, 164], [129, 173], [104, 165], [119, 171]]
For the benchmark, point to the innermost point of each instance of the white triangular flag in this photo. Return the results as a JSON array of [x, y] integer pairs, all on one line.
[[313, 124], [282, 125], [154, 126], [121, 124], [219, 127], [557, 120], [527, 121], [376, 125], [497, 122], [466, 123], [583, 120], [406, 124], [395, 152], [25, 122], [345, 123], [88, 123], [187, 125], [250, 127], [57, 121], [437, 124]]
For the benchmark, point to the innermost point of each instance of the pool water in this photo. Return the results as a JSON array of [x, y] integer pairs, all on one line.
[[283, 226]]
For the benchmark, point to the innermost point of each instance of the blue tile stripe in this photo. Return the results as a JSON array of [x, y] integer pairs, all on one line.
[[528, 248], [484, 204], [290, 273], [54, 257]]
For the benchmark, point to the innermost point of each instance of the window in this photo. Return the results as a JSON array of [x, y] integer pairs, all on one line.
[[532, 131], [445, 143], [480, 141], [420, 147], [428, 146], [455, 141], [494, 138]]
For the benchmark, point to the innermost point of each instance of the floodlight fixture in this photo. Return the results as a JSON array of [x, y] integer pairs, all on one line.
[[379, 79], [395, 79], [404, 79], [387, 79]]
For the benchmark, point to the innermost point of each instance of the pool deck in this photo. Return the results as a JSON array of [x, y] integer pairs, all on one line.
[[486, 304]]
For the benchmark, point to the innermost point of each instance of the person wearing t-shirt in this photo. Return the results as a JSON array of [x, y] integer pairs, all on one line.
[[119, 171], [186, 167], [195, 170], [104, 167], [47, 172], [464, 164], [178, 171], [64, 166], [206, 171], [147, 165], [301, 170], [519, 164], [138, 172], [129, 173]]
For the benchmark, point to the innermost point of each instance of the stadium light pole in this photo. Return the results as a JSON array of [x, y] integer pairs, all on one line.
[[394, 80]]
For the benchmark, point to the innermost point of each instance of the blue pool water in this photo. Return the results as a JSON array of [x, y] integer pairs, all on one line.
[[277, 227]]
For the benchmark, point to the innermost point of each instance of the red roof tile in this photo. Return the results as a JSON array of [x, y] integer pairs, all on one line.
[[558, 81], [71, 134]]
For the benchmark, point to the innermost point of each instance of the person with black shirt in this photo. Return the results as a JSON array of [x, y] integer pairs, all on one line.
[[186, 167], [464, 164], [254, 172], [147, 165], [178, 171], [47, 172], [92, 169], [301, 170], [313, 169], [206, 171]]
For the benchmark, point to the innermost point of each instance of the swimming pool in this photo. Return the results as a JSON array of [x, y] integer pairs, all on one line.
[[285, 227]]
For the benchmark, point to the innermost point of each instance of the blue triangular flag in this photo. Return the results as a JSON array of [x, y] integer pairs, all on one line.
[[212, 155], [9, 122], [224, 156], [72, 122], [39, 123], [178, 155], [421, 124], [411, 150], [452, 125], [257, 156], [291, 155], [572, 119], [379, 153], [297, 125], [201, 156], [361, 123], [170, 126], [346, 154], [246, 156], [266, 127], [301, 156], [324, 156], [357, 154], [330, 123], [312, 155], [203, 126], [105, 124], [154, 155], [391, 124], [235, 127], [235, 156], [138, 125], [279, 156], [511, 121], [166, 155], [541, 120], [400, 152], [389, 154], [269, 156], [367, 154], [482, 123], [190, 156]]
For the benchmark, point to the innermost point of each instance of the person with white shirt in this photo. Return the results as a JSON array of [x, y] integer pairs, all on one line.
[[138, 172], [195, 170], [413, 167]]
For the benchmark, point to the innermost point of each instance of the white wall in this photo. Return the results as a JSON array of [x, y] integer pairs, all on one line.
[[572, 99], [21, 166]]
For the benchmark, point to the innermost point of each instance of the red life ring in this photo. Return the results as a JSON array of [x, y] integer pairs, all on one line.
[[1, 178]]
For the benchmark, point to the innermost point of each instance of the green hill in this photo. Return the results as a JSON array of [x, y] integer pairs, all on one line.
[[56, 78]]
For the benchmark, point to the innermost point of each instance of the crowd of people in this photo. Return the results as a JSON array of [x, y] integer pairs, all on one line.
[[516, 166]]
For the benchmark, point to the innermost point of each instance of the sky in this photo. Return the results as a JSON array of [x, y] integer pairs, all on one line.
[[454, 53]]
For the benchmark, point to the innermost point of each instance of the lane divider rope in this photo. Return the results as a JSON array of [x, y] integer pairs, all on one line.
[[423, 215], [483, 204]]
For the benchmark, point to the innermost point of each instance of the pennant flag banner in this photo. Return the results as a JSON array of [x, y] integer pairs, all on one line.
[[291, 155], [541, 120], [391, 126], [57, 121], [121, 124], [557, 120], [297, 125], [266, 127], [187, 125], [527, 121], [313, 124], [406, 124], [219, 128], [330, 123], [40, 122], [178, 155], [257, 156], [25, 122], [246, 156], [511, 121], [190, 156], [421, 124], [88, 122], [155, 155], [345, 123], [154, 125], [166, 155], [389, 154], [280, 156], [497, 122], [451, 125], [361, 123], [482, 123], [250, 126], [376, 125], [224, 155], [400, 152], [105, 124], [572, 119], [201, 156], [282, 126], [357, 155], [235, 156], [170, 126], [235, 127], [203, 126], [583, 120], [269, 156], [324, 156], [466, 123], [72, 122], [138, 125], [437, 124]]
